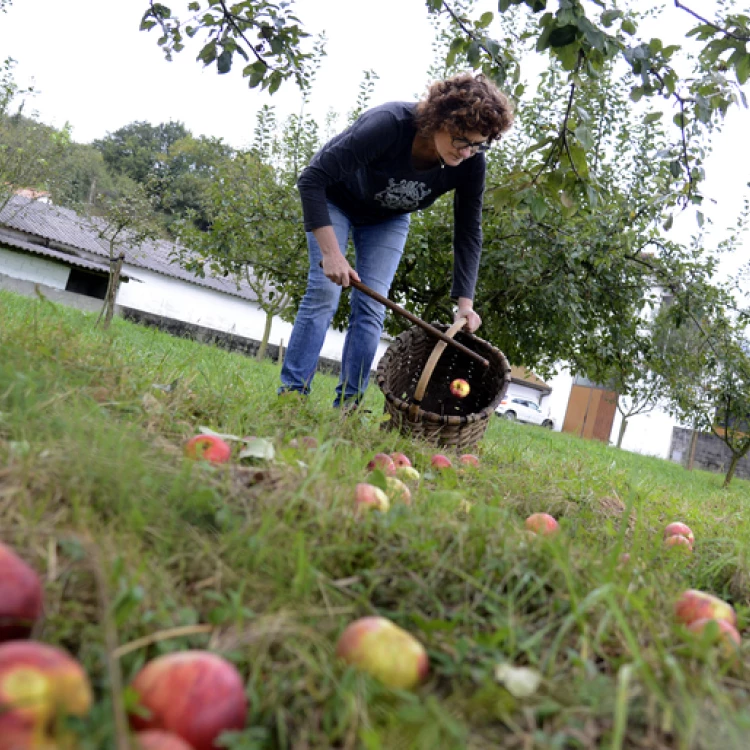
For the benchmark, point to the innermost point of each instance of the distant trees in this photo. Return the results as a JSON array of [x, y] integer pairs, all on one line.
[[27, 147]]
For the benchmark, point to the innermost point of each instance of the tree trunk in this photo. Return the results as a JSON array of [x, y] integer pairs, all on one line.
[[266, 335], [621, 434], [109, 299], [691, 451], [730, 471]]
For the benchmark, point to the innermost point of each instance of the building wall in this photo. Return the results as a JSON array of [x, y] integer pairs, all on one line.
[[33, 268], [649, 434], [172, 298], [710, 452]]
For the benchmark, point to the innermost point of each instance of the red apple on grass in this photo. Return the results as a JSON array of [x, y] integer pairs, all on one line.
[[460, 388], [384, 650], [20, 595], [383, 462], [469, 459], [156, 739], [400, 459], [195, 694], [209, 448], [369, 497], [698, 605], [39, 683], [677, 528], [305, 441], [681, 542], [726, 632], [542, 523], [440, 461]]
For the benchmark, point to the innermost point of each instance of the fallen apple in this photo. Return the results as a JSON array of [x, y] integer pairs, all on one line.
[[677, 528], [726, 632], [385, 651], [383, 462], [407, 473], [369, 497], [305, 441], [469, 459], [157, 739], [542, 523], [397, 491], [401, 460], [208, 448], [440, 461], [20, 595], [695, 605], [195, 694], [460, 388], [681, 542], [39, 683]]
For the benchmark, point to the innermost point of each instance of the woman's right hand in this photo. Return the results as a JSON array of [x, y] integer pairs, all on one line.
[[336, 267], [334, 264]]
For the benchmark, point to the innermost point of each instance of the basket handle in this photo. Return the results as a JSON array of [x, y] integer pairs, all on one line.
[[430, 366]]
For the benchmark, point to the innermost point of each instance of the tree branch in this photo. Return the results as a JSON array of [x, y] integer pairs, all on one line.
[[721, 30]]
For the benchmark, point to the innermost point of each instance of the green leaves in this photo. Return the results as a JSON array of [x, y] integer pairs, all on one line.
[[258, 30]]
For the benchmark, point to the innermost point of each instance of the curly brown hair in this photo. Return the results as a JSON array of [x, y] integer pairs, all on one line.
[[465, 103]]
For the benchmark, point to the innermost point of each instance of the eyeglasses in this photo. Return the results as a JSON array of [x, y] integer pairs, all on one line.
[[462, 143]]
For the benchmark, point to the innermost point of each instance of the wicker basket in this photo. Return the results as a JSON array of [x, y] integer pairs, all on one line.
[[415, 375]]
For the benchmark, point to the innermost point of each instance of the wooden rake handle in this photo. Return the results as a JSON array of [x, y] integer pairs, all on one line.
[[438, 334]]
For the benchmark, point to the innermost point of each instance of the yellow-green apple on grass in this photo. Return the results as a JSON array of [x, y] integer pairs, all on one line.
[[369, 497], [677, 528], [440, 461], [542, 523], [209, 448], [15, 737], [383, 462], [397, 491], [40, 683], [460, 388], [695, 605], [157, 739], [194, 694], [407, 473], [385, 651], [400, 459], [21, 596]]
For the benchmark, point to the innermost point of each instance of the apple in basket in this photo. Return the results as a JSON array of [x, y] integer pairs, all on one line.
[[460, 388]]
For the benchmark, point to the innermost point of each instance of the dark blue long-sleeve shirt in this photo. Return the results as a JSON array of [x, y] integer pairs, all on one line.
[[367, 172]]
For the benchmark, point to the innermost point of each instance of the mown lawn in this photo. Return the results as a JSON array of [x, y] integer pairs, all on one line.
[[266, 563]]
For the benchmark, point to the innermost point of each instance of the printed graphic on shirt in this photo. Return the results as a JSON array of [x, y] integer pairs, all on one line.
[[404, 195]]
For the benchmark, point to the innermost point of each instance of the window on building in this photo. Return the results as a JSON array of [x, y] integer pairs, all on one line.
[[85, 282]]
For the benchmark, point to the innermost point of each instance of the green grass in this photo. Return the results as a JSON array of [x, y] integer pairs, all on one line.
[[93, 485]]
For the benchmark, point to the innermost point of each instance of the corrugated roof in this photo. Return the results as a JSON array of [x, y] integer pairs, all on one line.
[[65, 227], [47, 252]]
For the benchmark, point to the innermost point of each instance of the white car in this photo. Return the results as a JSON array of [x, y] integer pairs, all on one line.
[[515, 407]]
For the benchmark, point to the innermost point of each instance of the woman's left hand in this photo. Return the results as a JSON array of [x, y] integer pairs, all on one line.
[[473, 321]]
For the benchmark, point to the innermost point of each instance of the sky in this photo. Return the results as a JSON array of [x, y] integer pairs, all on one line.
[[94, 69]]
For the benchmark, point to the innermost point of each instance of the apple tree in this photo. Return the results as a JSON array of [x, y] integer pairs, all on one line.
[[705, 362], [254, 231]]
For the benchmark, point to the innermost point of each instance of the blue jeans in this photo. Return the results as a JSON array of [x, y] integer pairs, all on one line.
[[377, 250]]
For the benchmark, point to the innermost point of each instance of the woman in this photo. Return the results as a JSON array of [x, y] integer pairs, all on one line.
[[395, 159]]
